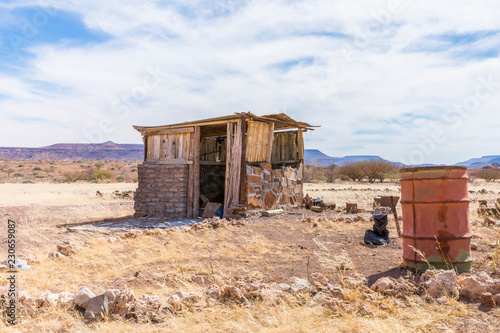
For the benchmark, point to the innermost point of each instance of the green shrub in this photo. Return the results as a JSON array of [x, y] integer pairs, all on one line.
[[27, 181], [18, 174], [37, 169], [101, 175], [20, 165]]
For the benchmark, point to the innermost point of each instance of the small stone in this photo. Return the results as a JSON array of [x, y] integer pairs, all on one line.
[[442, 300], [496, 298], [487, 300], [55, 255], [82, 297], [438, 283], [214, 291], [272, 321], [318, 280], [96, 307], [301, 285], [148, 309], [473, 246], [67, 248]]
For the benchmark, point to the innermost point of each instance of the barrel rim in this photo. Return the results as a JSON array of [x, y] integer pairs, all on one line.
[[429, 168]]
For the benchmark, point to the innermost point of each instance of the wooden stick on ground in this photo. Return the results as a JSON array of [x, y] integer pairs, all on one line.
[[393, 207]]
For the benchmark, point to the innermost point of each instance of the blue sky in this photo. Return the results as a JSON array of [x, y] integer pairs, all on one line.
[[412, 82]]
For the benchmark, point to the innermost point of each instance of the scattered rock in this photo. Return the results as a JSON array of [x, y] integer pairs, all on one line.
[[442, 300], [335, 291], [364, 310], [26, 305], [82, 297], [148, 309], [473, 286], [112, 239], [489, 221], [473, 246], [438, 283], [65, 300], [318, 280], [46, 300], [487, 300], [96, 307], [354, 280], [232, 293], [214, 292], [301, 285], [496, 298], [55, 255], [122, 303], [174, 302], [272, 321], [67, 248], [283, 286], [393, 287]]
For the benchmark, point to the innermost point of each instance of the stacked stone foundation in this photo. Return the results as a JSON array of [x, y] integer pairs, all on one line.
[[271, 188], [162, 190]]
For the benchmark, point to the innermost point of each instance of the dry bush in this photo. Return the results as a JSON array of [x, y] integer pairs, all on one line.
[[372, 170], [488, 174]]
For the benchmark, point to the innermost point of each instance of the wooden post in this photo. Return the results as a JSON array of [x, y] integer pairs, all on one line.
[[243, 175], [270, 143], [393, 207], [145, 139], [196, 171], [190, 198]]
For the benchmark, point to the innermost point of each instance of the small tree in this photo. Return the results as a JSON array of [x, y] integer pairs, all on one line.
[[351, 170], [98, 165], [101, 175], [376, 169], [9, 171], [488, 174], [330, 175]]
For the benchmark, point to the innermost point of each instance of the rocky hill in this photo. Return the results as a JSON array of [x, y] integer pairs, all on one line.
[[76, 151], [481, 161], [314, 156]]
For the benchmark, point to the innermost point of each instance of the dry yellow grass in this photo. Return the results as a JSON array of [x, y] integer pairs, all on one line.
[[180, 260]]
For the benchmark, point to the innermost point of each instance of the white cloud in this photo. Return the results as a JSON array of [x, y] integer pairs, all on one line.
[[363, 81]]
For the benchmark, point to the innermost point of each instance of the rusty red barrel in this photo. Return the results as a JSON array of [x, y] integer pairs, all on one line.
[[435, 203]]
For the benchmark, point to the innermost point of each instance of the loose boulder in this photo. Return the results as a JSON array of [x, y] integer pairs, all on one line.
[[301, 285], [82, 297], [438, 283], [392, 287]]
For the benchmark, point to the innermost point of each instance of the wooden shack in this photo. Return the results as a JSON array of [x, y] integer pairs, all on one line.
[[241, 160]]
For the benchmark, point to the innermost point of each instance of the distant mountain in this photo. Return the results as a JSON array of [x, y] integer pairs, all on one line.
[[76, 151], [481, 162], [314, 156]]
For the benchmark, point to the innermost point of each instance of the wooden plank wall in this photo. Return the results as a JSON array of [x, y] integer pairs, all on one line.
[[212, 148], [287, 146], [258, 141], [168, 147], [233, 164]]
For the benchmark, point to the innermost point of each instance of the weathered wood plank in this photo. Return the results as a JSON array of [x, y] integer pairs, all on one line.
[[243, 172], [190, 196], [270, 138], [171, 131], [196, 161]]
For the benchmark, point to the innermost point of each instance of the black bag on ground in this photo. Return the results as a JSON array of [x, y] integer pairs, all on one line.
[[380, 234]]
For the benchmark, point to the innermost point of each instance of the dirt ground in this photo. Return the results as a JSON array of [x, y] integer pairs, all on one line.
[[275, 249]]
